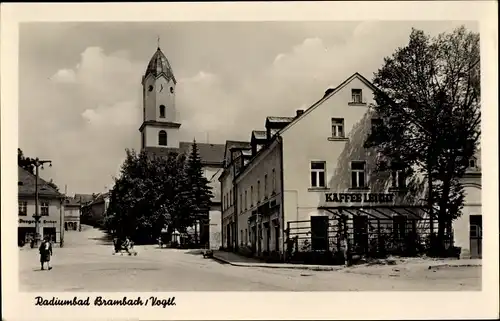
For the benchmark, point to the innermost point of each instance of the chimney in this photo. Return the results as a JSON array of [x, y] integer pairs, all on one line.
[[299, 112]]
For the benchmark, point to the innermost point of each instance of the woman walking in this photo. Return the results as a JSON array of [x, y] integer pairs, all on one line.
[[46, 252]]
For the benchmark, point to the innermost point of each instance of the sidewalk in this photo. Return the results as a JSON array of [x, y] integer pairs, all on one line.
[[239, 260]]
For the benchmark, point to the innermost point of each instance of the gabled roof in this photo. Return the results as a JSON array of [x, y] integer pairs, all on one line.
[[26, 185], [71, 202], [329, 93], [85, 198]]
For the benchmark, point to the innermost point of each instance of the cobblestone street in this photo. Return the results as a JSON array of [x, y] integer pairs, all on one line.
[[86, 263]]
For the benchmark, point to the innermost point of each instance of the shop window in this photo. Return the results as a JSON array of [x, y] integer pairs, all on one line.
[[338, 128], [360, 227], [318, 174], [23, 208], [358, 176]]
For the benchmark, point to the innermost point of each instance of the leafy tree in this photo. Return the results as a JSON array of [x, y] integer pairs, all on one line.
[[201, 191], [429, 101], [25, 162], [150, 193]]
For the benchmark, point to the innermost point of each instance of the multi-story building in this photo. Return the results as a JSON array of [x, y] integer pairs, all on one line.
[[309, 178], [160, 135], [72, 213], [51, 208]]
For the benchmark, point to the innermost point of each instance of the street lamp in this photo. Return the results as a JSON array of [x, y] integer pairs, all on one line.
[[38, 163]]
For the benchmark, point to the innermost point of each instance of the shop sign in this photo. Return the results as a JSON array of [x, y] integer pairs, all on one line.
[[359, 197], [21, 220], [49, 222]]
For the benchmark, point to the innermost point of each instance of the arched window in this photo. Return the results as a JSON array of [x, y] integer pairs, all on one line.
[[162, 111], [162, 138]]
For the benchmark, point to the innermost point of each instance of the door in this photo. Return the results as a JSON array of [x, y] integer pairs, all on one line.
[[319, 233], [476, 236], [50, 231], [277, 237], [360, 226]]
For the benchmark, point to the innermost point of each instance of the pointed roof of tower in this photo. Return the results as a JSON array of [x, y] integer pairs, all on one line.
[[159, 65]]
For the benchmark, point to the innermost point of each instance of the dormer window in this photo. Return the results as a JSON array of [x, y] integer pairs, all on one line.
[[357, 96], [162, 111]]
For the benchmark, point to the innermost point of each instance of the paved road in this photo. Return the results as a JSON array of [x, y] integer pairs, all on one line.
[[87, 264]]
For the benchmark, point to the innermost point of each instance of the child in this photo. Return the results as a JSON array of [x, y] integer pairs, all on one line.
[[46, 252]]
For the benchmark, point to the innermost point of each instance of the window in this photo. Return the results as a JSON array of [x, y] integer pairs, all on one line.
[[246, 236], [274, 181], [241, 237], [44, 210], [230, 198], [357, 96], [251, 195], [246, 199], [398, 176], [23, 208], [338, 127], [265, 186], [162, 111], [162, 138], [241, 203], [318, 174], [472, 162], [358, 174], [258, 192]]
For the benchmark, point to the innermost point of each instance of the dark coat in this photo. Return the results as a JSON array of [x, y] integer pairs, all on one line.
[[44, 253]]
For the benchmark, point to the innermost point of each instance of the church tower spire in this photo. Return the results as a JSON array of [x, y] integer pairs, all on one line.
[[159, 128]]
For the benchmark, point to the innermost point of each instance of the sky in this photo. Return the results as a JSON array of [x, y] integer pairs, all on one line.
[[80, 101]]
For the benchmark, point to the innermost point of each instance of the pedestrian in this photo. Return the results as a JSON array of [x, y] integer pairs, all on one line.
[[45, 252]]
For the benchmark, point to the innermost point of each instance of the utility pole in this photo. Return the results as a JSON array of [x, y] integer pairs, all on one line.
[[38, 163]]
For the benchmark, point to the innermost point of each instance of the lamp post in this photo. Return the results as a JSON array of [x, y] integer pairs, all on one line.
[[38, 163]]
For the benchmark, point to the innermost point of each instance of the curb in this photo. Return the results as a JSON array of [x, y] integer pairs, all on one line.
[[293, 267], [455, 265]]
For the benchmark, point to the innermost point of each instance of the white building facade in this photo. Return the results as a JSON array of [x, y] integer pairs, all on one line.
[[312, 169]]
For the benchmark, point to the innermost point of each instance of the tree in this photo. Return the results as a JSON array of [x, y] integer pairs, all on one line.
[[429, 101], [25, 162], [201, 191], [150, 193]]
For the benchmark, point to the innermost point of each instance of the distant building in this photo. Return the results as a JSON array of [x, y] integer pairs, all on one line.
[[160, 135], [93, 212], [71, 214], [51, 208], [308, 180]]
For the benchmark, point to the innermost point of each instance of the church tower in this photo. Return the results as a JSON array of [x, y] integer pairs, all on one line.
[[159, 128]]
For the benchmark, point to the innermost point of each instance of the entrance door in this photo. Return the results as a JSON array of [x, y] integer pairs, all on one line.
[[476, 235], [319, 233], [268, 241], [50, 231]]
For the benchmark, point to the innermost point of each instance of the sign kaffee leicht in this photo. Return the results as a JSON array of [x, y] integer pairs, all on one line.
[[359, 197]]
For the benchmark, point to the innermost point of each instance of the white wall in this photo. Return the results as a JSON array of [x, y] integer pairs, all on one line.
[[310, 139], [262, 165], [155, 98], [472, 206], [152, 132], [52, 220]]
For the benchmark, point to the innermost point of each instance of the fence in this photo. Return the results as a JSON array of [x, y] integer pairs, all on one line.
[[369, 232]]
